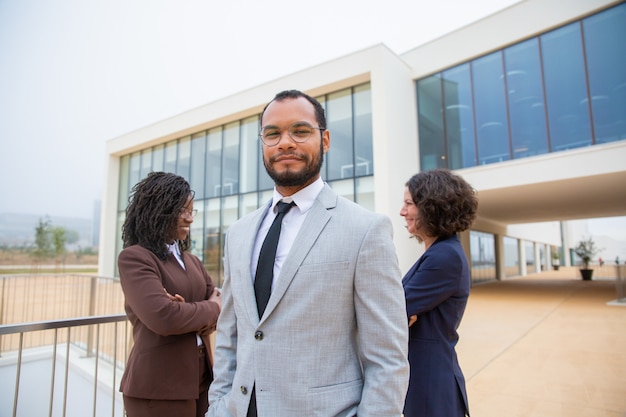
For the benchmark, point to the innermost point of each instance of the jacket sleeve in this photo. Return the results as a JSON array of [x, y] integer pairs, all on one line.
[[380, 314], [147, 301]]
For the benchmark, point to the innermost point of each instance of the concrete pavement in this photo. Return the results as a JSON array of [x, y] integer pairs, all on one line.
[[545, 345]]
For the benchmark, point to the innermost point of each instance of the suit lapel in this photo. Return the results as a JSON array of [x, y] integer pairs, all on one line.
[[246, 246], [315, 222]]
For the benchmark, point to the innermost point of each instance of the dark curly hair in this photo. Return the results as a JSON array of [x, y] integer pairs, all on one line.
[[154, 206], [320, 116], [447, 204]]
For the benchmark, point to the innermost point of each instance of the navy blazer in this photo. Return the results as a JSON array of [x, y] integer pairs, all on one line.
[[436, 289]]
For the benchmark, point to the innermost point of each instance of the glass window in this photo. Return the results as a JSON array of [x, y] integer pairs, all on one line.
[[529, 248], [230, 162], [483, 255], [249, 155], [197, 176], [212, 248], [339, 120], [183, 160], [169, 164], [459, 117], [344, 188], [363, 140], [566, 89], [491, 120], [430, 119], [511, 257], [365, 192], [135, 169], [146, 163], [213, 165], [248, 203], [158, 158], [124, 183], [605, 43], [197, 230], [529, 132], [230, 214]]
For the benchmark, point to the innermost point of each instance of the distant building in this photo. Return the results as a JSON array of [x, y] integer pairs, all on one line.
[[528, 104], [95, 225]]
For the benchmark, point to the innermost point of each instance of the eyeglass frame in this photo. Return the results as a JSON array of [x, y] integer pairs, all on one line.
[[280, 131], [185, 211]]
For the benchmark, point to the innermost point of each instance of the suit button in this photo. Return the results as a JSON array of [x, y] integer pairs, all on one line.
[[244, 390], [258, 335]]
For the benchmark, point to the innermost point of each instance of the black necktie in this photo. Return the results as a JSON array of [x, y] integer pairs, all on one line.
[[265, 267]]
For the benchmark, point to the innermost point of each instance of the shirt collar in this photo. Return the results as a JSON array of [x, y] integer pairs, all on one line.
[[304, 198]]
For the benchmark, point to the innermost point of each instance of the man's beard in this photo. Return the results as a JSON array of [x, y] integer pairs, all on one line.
[[291, 178]]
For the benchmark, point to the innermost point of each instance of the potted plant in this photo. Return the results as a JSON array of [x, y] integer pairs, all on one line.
[[586, 250], [555, 259]]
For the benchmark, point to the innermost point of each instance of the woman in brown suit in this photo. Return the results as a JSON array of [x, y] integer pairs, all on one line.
[[169, 299]]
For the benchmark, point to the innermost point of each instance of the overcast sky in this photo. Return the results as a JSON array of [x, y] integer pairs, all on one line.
[[76, 73]]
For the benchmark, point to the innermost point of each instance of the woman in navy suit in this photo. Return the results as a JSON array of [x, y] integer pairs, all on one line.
[[437, 205]]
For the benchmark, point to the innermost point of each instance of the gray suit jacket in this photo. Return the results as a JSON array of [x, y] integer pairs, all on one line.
[[333, 338]]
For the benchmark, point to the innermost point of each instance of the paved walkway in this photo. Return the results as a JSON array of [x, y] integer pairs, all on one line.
[[545, 345]]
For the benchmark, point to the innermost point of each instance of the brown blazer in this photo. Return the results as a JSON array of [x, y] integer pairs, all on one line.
[[163, 363]]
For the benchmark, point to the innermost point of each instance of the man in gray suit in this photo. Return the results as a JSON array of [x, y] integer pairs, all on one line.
[[332, 340]]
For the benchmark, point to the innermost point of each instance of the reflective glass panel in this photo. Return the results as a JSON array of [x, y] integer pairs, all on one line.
[[197, 176], [183, 159], [605, 46], [363, 141], [146, 163], [365, 192], [339, 119], [492, 128], [511, 257], [459, 117], [430, 119], [529, 131], [566, 90], [124, 183], [213, 166], [169, 164], [158, 157], [483, 255], [134, 171], [212, 248], [230, 163], [344, 188], [197, 230], [529, 248], [249, 155]]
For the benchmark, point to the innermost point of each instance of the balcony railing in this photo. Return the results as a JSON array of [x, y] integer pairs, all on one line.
[[64, 341]]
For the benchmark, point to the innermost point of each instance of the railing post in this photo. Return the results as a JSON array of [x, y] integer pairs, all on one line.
[[92, 312]]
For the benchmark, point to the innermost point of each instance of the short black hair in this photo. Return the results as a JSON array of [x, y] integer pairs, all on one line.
[[320, 116]]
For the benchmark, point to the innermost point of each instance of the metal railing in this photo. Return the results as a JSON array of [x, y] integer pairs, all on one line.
[[69, 322], [89, 370]]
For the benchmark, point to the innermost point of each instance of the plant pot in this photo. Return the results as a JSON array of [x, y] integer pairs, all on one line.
[[555, 267], [586, 274]]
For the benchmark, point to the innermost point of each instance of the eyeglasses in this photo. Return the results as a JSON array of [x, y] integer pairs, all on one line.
[[188, 212], [300, 132]]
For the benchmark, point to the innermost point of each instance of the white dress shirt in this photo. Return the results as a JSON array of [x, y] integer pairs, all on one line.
[[292, 222]]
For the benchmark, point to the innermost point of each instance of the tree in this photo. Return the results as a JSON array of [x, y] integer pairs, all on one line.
[[59, 237], [43, 242]]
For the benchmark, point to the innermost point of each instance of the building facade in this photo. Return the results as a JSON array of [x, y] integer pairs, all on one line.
[[528, 104]]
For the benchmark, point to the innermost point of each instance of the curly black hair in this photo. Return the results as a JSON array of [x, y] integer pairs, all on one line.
[[447, 204], [154, 207]]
